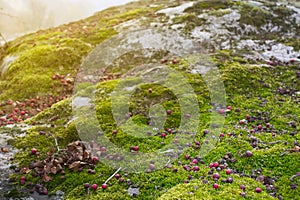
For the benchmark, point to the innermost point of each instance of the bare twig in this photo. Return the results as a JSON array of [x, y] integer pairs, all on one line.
[[112, 175], [56, 143]]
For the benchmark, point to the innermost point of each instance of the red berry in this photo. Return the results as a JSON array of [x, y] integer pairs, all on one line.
[[216, 186], [22, 112], [115, 132], [211, 165], [222, 135], [94, 186], [215, 164], [268, 125], [174, 61], [194, 161], [33, 151], [135, 148], [23, 178], [118, 176], [151, 166], [16, 109], [95, 160], [221, 111], [86, 185], [243, 187], [15, 118], [229, 107], [228, 171], [104, 186], [258, 190], [248, 153], [187, 115], [169, 112], [216, 175], [196, 168], [259, 127], [163, 135]]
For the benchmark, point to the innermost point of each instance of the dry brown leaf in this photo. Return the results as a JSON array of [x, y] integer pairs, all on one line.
[[75, 166], [53, 170], [47, 178]]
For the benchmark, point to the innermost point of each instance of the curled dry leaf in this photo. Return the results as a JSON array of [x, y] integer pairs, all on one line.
[[47, 178], [75, 166]]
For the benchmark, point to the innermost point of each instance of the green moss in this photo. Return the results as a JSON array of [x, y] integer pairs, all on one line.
[[254, 15], [200, 6], [198, 190], [248, 87], [33, 69], [190, 20]]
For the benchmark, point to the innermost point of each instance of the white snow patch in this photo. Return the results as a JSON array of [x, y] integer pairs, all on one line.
[[171, 12]]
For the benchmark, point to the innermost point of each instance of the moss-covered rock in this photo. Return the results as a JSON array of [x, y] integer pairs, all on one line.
[[262, 118]]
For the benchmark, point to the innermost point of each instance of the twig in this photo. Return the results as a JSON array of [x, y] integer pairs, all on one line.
[[112, 175], [56, 143], [168, 162]]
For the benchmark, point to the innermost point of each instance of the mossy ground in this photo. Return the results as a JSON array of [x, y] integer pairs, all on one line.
[[255, 90]]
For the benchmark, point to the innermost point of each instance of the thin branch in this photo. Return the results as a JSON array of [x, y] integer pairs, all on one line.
[[112, 175], [56, 143]]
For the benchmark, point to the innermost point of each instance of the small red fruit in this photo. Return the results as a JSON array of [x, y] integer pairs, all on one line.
[[163, 135], [243, 187], [135, 148], [169, 112], [216, 175], [118, 176], [222, 135], [196, 168], [95, 160], [194, 161], [258, 190], [86, 185], [104, 186], [187, 115], [221, 111], [151, 166], [16, 109], [259, 127], [228, 171], [94, 186], [115, 132], [229, 107], [215, 164], [33, 151], [174, 61], [216, 186], [22, 112]]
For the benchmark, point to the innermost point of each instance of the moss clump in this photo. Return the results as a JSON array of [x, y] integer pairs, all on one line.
[[190, 20], [254, 15], [32, 71], [197, 190], [200, 6]]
